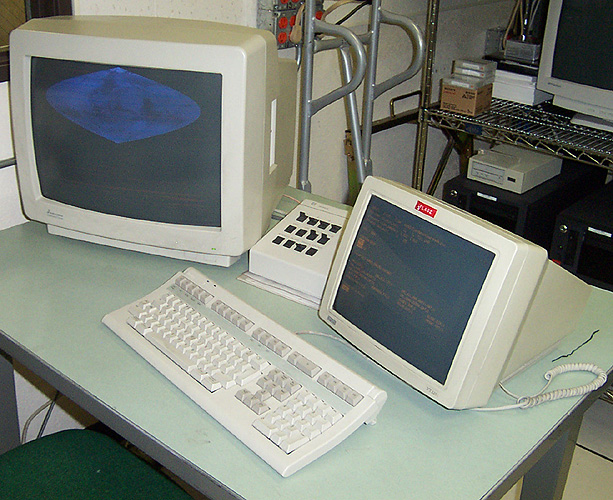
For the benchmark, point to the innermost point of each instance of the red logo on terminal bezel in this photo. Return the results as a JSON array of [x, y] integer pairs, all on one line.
[[425, 209]]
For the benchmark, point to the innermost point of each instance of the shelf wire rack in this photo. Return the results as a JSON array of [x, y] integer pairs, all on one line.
[[542, 127]]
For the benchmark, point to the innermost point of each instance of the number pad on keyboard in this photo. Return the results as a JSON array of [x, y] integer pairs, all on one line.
[[296, 422]]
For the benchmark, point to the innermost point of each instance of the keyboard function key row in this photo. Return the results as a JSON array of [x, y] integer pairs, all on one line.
[[339, 388], [273, 343], [190, 287], [231, 315]]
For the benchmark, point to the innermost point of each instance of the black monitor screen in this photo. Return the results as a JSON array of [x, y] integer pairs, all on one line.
[[584, 43], [142, 143], [411, 286]]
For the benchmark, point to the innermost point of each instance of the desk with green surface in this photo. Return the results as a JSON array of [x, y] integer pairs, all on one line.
[[54, 292]]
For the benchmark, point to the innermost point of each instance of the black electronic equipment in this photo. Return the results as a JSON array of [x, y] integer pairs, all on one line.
[[583, 238], [532, 214]]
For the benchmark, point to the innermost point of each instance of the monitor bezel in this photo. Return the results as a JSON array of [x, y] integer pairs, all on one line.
[[483, 351], [592, 101], [240, 55]]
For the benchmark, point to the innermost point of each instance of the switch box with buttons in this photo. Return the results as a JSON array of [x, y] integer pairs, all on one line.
[[299, 250]]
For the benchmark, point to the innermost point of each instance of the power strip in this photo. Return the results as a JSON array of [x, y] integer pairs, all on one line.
[[298, 252]]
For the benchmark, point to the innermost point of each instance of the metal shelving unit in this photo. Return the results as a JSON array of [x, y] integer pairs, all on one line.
[[532, 127], [535, 127]]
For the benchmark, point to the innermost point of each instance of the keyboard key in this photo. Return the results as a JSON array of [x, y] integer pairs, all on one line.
[[265, 427], [247, 376], [304, 364], [210, 382], [292, 442]]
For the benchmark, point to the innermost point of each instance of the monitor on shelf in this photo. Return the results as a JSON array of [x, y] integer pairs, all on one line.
[[448, 302], [166, 136], [575, 59]]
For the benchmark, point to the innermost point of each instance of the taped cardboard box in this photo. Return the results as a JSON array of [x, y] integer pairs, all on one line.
[[464, 100]]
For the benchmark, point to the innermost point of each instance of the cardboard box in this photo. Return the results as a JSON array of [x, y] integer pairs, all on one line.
[[466, 101]]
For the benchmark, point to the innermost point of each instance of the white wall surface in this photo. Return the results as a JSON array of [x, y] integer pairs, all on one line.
[[462, 28], [229, 11], [6, 145], [10, 211]]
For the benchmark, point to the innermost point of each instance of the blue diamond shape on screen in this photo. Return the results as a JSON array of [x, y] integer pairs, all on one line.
[[122, 106]]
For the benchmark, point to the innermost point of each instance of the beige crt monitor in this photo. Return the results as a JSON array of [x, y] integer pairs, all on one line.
[[151, 134], [448, 302]]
